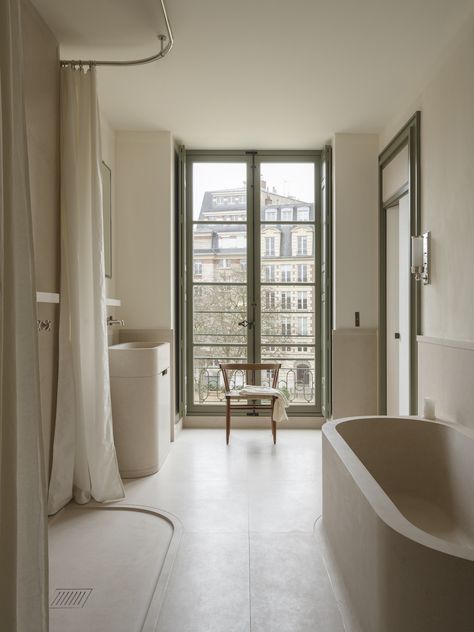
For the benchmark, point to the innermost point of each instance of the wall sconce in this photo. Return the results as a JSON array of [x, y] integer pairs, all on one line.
[[420, 258]]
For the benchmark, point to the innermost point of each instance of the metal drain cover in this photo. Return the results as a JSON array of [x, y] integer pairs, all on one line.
[[70, 597]]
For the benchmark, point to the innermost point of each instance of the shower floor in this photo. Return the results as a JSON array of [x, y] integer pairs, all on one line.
[[109, 572]]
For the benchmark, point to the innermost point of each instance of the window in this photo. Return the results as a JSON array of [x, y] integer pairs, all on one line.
[[302, 213], [302, 245], [270, 274], [302, 300], [303, 374], [286, 214], [286, 273], [285, 300], [230, 242], [270, 299], [302, 273], [285, 327], [257, 261], [270, 246], [302, 326], [197, 266]]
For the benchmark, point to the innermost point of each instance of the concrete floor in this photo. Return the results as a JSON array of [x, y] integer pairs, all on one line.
[[248, 560]]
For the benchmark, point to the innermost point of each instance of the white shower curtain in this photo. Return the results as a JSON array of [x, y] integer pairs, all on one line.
[[23, 523], [84, 460]]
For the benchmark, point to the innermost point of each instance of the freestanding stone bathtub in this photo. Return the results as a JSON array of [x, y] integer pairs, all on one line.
[[398, 518]]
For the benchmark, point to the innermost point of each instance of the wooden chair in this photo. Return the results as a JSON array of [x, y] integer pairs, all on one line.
[[235, 401]]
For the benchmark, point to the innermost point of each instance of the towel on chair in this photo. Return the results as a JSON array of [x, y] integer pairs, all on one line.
[[281, 403]]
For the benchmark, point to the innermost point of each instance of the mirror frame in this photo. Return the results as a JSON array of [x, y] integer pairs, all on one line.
[[106, 174]]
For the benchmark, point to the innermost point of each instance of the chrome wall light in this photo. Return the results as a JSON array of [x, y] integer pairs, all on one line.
[[420, 257]]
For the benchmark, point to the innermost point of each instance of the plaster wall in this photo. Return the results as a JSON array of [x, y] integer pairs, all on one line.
[[447, 180], [355, 229], [355, 276], [447, 138], [41, 83], [144, 251]]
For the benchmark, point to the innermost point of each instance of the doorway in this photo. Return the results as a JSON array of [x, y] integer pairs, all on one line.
[[253, 272], [399, 295], [398, 308]]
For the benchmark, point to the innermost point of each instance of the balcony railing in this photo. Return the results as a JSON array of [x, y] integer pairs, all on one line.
[[298, 384]]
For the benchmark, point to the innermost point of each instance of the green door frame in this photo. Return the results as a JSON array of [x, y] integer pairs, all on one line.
[[409, 136], [253, 159]]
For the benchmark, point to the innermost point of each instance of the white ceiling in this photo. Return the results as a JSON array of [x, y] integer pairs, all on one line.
[[258, 73]]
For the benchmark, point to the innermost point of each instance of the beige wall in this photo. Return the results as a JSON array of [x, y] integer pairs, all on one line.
[[355, 274], [447, 141], [355, 229], [42, 119], [145, 229], [447, 210]]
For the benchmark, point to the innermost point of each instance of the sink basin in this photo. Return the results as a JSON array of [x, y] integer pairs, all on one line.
[[138, 359]]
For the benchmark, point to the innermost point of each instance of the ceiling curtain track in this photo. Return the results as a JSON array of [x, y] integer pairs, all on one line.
[[164, 50]]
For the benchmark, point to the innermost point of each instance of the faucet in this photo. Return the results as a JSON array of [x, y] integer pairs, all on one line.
[[111, 321]]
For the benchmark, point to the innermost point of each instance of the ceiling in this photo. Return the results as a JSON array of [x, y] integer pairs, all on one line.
[[258, 73]]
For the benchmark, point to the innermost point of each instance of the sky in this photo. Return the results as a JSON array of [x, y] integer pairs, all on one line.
[[293, 179]]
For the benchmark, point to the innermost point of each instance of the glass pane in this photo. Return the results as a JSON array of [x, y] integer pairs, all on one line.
[[287, 192], [207, 378], [220, 253], [287, 253], [287, 299], [218, 309], [219, 192], [297, 377]]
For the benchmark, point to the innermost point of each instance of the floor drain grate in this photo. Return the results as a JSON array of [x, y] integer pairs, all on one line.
[[70, 597]]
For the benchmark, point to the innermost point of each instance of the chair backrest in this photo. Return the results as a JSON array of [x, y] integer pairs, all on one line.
[[251, 370]]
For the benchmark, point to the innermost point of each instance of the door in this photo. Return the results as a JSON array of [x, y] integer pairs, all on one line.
[[253, 272], [398, 308]]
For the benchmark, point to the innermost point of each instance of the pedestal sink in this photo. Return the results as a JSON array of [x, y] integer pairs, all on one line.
[[139, 384]]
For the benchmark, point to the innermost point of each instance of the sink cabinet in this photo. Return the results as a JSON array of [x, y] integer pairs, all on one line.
[[140, 391]]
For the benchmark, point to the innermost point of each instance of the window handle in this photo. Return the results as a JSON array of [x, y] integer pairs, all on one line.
[[245, 323]]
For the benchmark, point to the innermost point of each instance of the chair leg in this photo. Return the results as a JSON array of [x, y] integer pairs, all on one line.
[[227, 423], [274, 426]]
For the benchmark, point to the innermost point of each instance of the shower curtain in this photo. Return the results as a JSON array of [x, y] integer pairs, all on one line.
[[84, 460], [23, 523]]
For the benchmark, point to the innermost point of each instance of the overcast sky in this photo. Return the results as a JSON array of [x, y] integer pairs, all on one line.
[[292, 179]]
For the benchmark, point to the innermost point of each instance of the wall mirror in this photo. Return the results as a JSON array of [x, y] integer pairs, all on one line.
[[107, 211]]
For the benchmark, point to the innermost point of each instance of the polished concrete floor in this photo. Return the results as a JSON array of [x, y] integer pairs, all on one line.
[[248, 560]]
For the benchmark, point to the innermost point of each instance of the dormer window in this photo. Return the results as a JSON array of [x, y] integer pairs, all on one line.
[[286, 214], [302, 213]]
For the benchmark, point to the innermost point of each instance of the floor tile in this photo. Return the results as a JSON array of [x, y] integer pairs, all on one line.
[[290, 589], [285, 508], [209, 587]]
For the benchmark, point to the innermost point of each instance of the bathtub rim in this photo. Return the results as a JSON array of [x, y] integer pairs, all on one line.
[[375, 495]]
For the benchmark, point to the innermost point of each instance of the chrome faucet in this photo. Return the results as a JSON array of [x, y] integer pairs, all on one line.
[[111, 321]]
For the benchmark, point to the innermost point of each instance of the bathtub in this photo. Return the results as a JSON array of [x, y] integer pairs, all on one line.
[[398, 521]]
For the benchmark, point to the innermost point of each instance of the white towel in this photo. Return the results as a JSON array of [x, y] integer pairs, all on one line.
[[279, 412]]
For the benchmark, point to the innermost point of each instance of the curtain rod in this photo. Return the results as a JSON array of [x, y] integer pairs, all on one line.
[[164, 50]]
